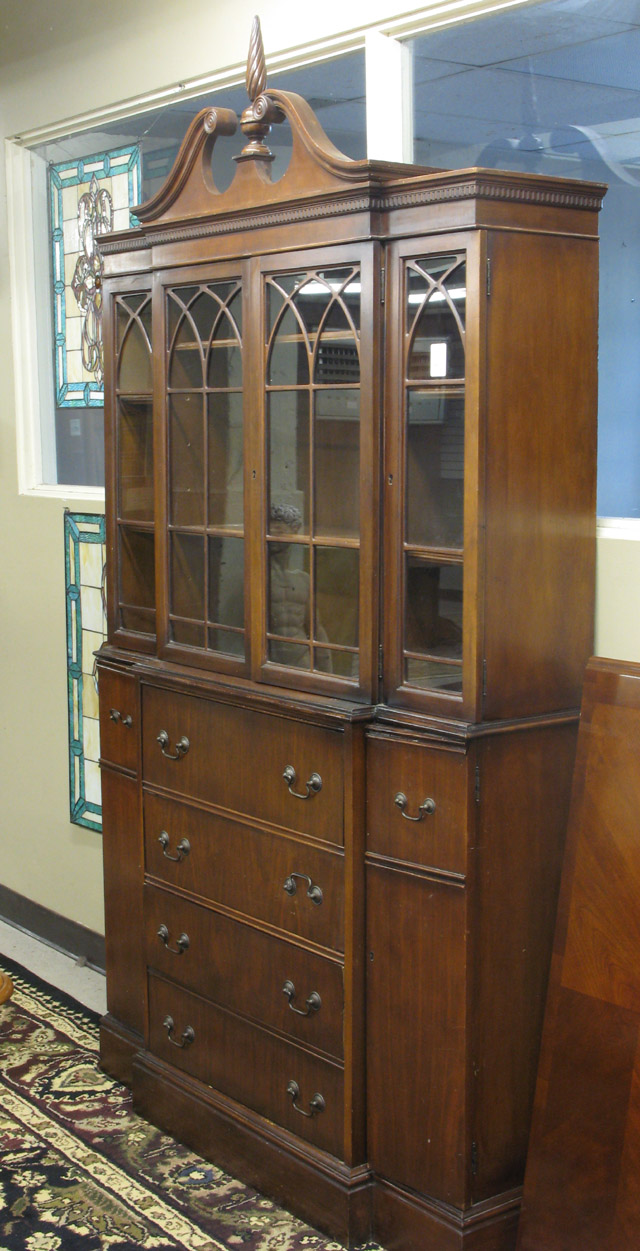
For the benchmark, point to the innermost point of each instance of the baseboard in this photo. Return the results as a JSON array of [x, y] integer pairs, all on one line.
[[50, 928], [118, 1047]]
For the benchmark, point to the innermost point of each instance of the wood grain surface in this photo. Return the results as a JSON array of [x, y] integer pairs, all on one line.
[[582, 1187]]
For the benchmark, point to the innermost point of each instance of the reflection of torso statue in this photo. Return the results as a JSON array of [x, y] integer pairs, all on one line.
[[289, 596], [289, 600]]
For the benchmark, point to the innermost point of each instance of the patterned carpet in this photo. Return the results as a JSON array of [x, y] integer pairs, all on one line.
[[78, 1168]]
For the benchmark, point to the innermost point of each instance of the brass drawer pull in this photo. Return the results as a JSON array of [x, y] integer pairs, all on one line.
[[313, 785], [425, 809], [119, 719], [183, 848], [314, 1002], [314, 893], [182, 746], [187, 1037], [317, 1104], [181, 945]]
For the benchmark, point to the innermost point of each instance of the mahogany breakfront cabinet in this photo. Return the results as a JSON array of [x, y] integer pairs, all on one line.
[[351, 453]]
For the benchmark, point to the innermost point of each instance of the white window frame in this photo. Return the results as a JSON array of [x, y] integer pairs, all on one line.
[[389, 137]]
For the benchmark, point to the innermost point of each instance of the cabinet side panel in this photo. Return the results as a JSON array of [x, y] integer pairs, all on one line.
[[123, 869], [540, 472], [525, 786]]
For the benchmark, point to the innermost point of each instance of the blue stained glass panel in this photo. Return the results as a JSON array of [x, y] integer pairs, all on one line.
[[85, 555], [87, 198]]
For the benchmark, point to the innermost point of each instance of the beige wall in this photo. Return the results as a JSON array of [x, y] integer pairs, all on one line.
[[618, 596], [64, 60]]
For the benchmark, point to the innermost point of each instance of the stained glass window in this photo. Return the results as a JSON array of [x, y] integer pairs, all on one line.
[[88, 197]]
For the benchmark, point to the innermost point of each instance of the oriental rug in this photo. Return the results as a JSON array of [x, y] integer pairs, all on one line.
[[79, 1169]]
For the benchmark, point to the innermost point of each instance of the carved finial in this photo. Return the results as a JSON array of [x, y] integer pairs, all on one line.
[[257, 119], [256, 65]]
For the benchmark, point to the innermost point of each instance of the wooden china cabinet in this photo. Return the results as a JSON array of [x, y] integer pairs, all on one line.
[[351, 464]]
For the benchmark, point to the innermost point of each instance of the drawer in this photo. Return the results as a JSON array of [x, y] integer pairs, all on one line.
[[274, 878], [419, 774], [236, 759], [118, 718], [248, 1064], [274, 982]]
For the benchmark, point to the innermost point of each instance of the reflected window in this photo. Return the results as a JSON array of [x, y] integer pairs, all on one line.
[[553, 88]]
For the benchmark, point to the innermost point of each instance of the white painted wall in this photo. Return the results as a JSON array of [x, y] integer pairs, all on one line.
[[63, 60]]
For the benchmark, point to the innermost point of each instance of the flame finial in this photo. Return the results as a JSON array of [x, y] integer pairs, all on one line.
[[257, 119], [256, 66]]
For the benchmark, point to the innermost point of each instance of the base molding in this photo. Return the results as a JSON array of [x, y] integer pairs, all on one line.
[[118, 1046], [309, 1183], [351, 1205], [403, 1221]]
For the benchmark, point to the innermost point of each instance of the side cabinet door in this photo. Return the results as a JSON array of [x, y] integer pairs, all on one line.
[[416, 1013], [123, 870], [432, 475]]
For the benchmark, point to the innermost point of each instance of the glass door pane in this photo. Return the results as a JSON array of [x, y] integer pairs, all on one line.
[[434, 431], [206, 467], [433, 616], [134, 459], [313, 457], [435, 467]]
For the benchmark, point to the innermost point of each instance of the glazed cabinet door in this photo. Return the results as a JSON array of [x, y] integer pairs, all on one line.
[[432, 479], [130, 503], [202, 539], [315, 490], [268, 543]]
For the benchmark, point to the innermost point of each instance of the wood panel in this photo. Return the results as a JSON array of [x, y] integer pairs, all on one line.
[[540, 475], [581, 1186]]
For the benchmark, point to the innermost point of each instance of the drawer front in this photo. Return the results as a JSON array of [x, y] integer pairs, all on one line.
[[290, 885], [118, 718], [263, 977], [236, 758], [247, 1063], [406, 781]]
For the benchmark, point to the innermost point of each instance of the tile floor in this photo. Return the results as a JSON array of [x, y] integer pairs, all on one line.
[[53, 966]]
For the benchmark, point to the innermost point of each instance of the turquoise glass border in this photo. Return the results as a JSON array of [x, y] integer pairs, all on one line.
[[81, 528], [72, 174]]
